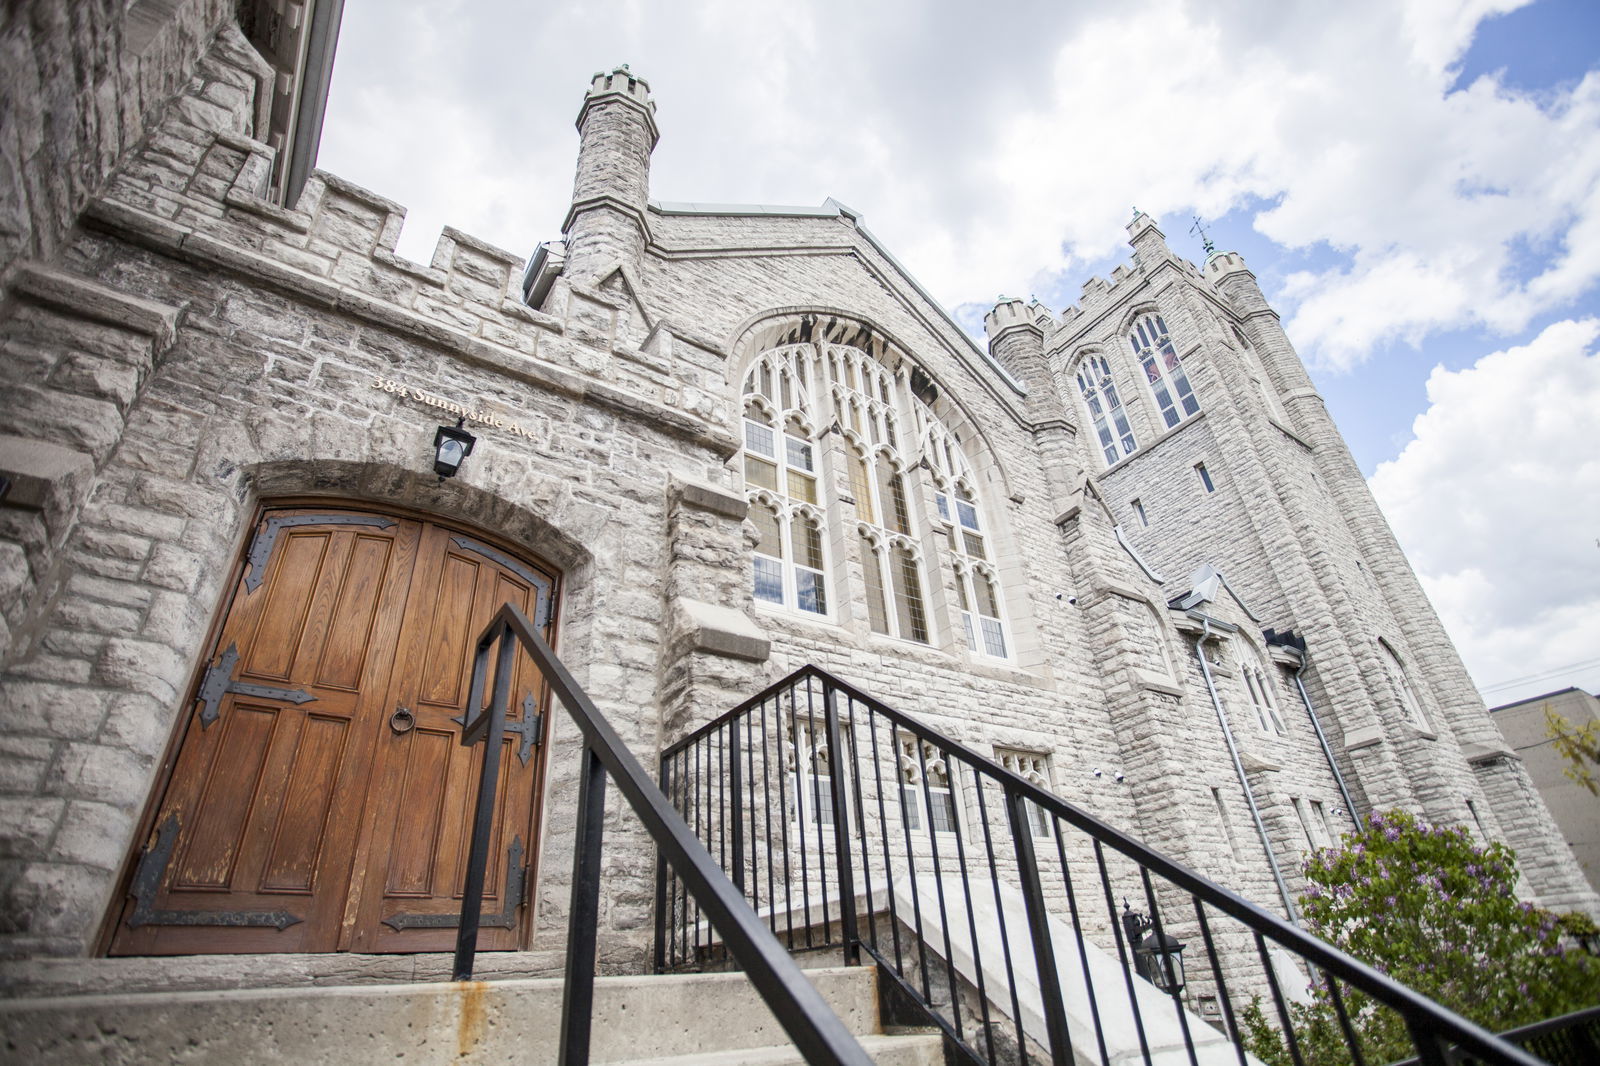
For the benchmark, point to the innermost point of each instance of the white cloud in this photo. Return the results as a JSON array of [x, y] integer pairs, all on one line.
[[1497, 503], [1005, 155]]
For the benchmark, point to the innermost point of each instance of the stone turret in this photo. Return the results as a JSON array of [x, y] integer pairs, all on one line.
[[1149, 243], [1016, 339], [617, 132], [1016, 333]]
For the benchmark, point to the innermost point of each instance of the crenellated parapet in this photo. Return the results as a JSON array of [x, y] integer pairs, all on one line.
[[201, 194]]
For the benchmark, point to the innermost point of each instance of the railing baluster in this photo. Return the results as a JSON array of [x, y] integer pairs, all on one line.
[[754, 893], [1083, 945], [972, 921], [1000, 914], [1044, 954], [736, 790], [911, 863], [783, 812], [1177, 1001], [1226, 1000], [938, 879], [660, 953], [1352, 1041], [1123, 952], [1278, 1002], [815, 788], [583, 917], [841, 832], [766, 814], [483, 813], [883, 829], [861, 824]]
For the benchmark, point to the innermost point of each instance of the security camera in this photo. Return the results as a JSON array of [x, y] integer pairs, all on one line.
[[1065, 596], [1118, 776], [1097, 771], [1072, 601]]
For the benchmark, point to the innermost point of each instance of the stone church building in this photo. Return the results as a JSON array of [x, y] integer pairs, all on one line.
[[1120, 547]]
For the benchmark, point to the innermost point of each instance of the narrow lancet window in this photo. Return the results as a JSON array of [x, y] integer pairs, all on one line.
[[1105, 409], [1163, 371]]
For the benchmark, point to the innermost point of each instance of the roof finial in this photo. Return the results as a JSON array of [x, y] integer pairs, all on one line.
[[1205, 240]]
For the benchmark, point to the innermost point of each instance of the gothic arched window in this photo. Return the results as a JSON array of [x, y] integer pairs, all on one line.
[[966, 539], [1163, 371], [1105, 408], [894, 445], [1258, 686], [1258, 377], [1402, 686], [780, 472]]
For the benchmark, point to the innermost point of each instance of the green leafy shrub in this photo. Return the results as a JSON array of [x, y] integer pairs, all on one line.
[[1431, 909]]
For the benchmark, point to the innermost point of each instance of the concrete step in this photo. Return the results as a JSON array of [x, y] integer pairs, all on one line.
[[920, 1049], [476, 1022]]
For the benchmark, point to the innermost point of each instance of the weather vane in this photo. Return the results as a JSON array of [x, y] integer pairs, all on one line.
[[1205, 241]]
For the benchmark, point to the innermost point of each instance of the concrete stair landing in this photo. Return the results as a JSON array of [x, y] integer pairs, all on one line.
[[716, 1019]]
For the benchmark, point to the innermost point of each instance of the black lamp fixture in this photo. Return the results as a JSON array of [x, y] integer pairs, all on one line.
[[1158, 958], [451, 444]]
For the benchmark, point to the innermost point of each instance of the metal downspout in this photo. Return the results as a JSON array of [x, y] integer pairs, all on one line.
[[1238, 768], [1349, 806]]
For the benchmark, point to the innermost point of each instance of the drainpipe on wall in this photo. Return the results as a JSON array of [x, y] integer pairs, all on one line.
[[1238, 767], [1349, 805]]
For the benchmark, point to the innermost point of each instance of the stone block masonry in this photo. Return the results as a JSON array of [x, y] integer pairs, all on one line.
[[179, 349]]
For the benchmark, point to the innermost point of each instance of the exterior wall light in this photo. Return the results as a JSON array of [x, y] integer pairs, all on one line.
[[1158, 958], [451, 444]]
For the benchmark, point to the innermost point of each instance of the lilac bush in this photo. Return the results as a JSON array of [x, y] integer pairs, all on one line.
[[1432, 909]]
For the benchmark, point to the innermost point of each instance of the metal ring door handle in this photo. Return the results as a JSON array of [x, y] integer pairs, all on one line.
[[403, 720]]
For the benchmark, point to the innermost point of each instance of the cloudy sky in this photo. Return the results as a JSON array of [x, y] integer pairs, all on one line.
[[1415, 182]]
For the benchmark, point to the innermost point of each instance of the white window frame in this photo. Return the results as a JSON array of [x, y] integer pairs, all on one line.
[[1097, 390], [1163, 371]]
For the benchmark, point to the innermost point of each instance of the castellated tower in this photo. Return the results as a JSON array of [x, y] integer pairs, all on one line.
[[606, 224], [1222, 470]]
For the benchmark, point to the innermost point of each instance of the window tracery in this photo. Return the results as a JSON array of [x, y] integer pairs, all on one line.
[[1100, 396], [792, 393], [1163, 371]]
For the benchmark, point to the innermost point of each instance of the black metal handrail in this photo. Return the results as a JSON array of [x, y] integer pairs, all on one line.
[[815, 1030], [793, 792], [1568, 1040]]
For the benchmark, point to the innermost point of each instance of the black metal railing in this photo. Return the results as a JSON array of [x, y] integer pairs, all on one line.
[[815, 1030], [1569, 1040], [991, 904]]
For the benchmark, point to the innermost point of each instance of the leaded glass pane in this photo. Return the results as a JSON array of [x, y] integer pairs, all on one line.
[[766, 523], [758, 439], [941, 810], [807, 543], [760, 473], [768, 580], [908, 597], [872, 575]]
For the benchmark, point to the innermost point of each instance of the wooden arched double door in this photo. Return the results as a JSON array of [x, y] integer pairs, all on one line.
[[320, 799]]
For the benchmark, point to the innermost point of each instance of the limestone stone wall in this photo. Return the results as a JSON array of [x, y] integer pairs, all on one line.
[[185, 350]]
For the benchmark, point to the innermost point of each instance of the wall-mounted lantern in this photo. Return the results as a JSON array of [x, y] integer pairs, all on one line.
[[1158, 958], [451, 444]]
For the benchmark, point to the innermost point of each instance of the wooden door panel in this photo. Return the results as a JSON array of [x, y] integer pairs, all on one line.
[[267, 798], [303, 566], [309, 825], [309, 797], [421, 846], [420, 813], [352, 620], [207, 853]]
